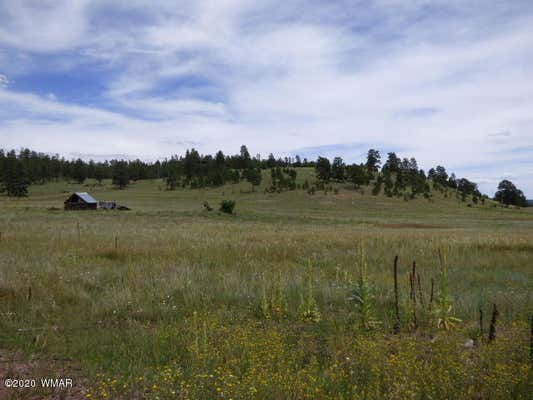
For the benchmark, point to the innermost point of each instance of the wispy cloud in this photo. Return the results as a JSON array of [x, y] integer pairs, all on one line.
[[445, 81]]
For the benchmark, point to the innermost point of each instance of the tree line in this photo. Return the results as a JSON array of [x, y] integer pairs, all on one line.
[[20, 169], [394, 177]]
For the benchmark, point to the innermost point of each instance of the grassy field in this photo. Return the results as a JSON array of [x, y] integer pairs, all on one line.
[[171, 301]]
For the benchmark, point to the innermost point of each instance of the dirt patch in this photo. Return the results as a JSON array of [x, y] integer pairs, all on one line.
[[411, 225], [37, 375]]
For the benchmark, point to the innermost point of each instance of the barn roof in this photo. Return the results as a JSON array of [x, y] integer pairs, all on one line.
[[86, 197]]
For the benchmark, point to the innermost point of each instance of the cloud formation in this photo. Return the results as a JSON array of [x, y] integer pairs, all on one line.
[[444, 81]]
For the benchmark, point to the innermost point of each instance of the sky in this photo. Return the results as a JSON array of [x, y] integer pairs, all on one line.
[[449, 82]]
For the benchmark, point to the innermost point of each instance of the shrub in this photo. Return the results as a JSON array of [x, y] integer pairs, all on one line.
[[227, 206]]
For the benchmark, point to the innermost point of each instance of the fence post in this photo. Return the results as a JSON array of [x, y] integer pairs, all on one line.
[[481, 333], [396, 328], [492, 329]]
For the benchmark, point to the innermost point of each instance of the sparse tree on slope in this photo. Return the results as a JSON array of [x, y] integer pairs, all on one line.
[[509, 194], [373, 161], [337, 169], [357, 174], [392, 164], [245, 161], [253, 176], [323, 169]]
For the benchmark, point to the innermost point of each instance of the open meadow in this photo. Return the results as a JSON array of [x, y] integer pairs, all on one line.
[[290, 298]]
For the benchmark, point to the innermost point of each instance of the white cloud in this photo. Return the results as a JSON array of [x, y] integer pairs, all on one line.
[[281, 76], [44, 25]]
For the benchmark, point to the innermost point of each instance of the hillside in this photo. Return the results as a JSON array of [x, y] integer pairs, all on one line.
[[170, 298], [343, 205]]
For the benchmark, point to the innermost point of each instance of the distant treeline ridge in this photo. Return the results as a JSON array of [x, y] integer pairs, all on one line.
[[394, 177]]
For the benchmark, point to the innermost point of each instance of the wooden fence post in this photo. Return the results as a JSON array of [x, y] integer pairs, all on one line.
[[481, 333], [531, 342], [492, 329], [396, 328]]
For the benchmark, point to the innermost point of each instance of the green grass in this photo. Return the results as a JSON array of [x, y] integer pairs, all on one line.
[[207, 305]]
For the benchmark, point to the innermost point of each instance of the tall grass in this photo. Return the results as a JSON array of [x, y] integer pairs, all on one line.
[[188, 304]]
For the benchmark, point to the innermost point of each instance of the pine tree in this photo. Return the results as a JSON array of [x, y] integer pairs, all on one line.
[[373, 161], [508, 193], [323, 169], [15, 181], [253, 176], [79, 171], [337, 169], [120, 174]]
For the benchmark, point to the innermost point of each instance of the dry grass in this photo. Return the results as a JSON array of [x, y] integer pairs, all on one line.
[[177, 308]]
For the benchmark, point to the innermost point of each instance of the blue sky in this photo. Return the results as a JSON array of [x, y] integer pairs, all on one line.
[[448, 82]]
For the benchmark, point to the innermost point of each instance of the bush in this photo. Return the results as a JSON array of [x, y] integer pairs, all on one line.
[[227, 206]]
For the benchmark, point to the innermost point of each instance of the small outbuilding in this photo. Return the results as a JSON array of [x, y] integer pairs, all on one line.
[[107, 205], [81, 201]]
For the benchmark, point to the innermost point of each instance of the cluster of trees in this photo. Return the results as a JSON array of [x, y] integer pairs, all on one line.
[[19, 170], [13, 176], [402, 177], [283, 179], [195, 170], [395, 177], [509, 194]]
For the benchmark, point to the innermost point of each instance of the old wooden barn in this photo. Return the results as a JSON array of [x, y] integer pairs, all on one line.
[[81, 201]]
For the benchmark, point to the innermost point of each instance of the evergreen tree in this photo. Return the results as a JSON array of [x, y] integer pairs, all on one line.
[[15, 181], [467, 187], [99, 172], [217, 173], [323, 169], [271, 162], [79, 171], [452, 181], [357, 174], [337, 169], [191, 164], [253, 176], [377, 186], [173, 174], [388, 183], [120, 177], [245, 161], [392, 164], [509, 194], [373, 161], [439, 176]]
